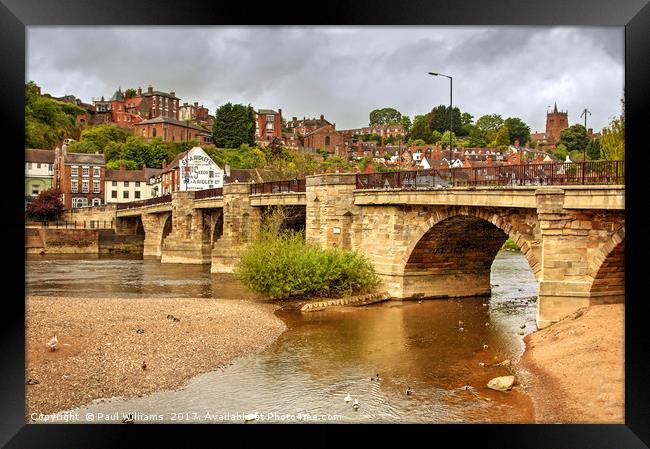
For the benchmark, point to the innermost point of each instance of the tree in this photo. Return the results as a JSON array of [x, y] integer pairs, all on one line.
[[130, 93], [477, 138], [97, 138], [234, 125], [420, 129], [489, 122], [593, 149], [285, 126], [444, 140], [436, 136], [574, 138], [439, 119], [385, 116], [406, 123], [561, 152], [46, 206], [612, 144], [517, 130], [502, 139]]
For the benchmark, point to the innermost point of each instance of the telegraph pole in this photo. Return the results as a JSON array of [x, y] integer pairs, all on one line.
[[585, 113]]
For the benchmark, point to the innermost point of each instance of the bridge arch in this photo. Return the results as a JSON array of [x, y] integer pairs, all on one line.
[[607, 270], [450, 253]]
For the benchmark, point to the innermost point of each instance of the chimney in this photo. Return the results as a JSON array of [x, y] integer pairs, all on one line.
[[150, 90], [590, 131], [196, 104], [173, 94], [280, 111], [139, 91], [295, 119], [164, 163], [322, 117]]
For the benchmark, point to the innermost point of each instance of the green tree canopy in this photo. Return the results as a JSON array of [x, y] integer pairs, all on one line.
[[48, 121], [593, 149], [612, 144], [477, 138], [574, 138], [96, 138], [517, 130], [234, 125], [405, 121], [385, 116], [502, 140], [420, 129], [439, 119], [489, 122]]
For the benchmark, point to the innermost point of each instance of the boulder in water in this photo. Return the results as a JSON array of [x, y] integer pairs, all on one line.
[[502, 383]]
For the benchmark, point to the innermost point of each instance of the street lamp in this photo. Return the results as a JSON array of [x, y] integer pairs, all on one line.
[[451, 115]]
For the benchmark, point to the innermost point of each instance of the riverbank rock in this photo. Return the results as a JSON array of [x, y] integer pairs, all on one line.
[[360, 300], [502, 383]]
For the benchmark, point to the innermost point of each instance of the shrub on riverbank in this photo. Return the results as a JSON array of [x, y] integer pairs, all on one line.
[[283, 264], [510, 244]]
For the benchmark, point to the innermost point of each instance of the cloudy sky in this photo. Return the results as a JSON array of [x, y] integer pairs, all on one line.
[[344, 72]]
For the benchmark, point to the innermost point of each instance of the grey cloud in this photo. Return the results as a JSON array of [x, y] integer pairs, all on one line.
[[343, 72]]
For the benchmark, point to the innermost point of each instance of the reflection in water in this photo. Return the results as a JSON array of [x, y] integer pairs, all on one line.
[[325, 355]]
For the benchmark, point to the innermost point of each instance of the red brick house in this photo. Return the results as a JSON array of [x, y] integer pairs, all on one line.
[[325, 137], [307, 125], [172, 130], [80, 177], [268, 124]]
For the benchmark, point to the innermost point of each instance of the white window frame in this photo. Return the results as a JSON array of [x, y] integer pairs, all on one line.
[[74, 186], [96, 186], [74, 171], [85, 186], [85, 171], [97, 172]]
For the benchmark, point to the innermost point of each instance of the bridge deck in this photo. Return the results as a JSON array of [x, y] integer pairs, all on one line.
[[576, 197]]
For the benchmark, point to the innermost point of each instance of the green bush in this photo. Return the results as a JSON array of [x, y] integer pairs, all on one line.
[[510, 244], [283, 265]]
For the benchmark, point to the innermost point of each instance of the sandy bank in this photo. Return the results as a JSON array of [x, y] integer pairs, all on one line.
[[578, 367], [103, 343]]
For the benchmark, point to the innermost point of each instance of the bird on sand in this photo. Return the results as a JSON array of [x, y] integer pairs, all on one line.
[[53, 343], [485, 346], [375, 378], [144, 364], [348, 398], [355, 404], [409, 391]]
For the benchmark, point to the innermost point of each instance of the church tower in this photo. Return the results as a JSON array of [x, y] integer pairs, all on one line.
[[556, 121]]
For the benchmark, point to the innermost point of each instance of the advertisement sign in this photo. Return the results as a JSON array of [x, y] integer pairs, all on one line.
[[199, 172]]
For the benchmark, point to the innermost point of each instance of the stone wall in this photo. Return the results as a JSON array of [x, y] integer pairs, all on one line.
[[62, 241]]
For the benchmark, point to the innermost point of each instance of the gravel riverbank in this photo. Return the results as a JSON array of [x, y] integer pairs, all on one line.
[[130, 347], [577, 367]]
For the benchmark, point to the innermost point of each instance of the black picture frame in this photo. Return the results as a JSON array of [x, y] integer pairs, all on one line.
[[16, 15]]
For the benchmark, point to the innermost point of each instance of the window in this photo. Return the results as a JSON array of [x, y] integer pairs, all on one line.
[[96, 172], [137, 194], [74, 171], [125, 194], [95, 186], [269, 125], [114, 183], [35, 189], [154, 132], [49, 168], [113, 193], [38, 165], [327, 141], [84, 186], [85, 171], [74, 186], [79, 202], [137, 183], [165, 134], [97, 201], [126, 183]]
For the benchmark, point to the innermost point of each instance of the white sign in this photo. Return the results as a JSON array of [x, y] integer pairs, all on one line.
[[199, 172]]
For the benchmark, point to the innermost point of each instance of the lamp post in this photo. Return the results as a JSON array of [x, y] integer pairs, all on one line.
[[585, 113], [451, 113]]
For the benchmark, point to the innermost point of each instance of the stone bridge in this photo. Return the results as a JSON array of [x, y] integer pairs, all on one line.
[[423, 242]]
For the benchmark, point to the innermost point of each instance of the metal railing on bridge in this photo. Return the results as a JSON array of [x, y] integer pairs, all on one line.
[[148, 202], [292, 185], [208, 193], [567, 173], [71, 224]]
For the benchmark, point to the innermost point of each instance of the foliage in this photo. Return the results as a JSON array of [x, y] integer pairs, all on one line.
[[48, 121], [420, 130], [510, 244], [436, 136], [502, 139], [593, 149], [489, 122], [117, 164], [444, 140], [363, 162], [439, 119], [46, 206], [244, 157], [574, 138], [576, 156], [385, 116], [405, 121], [281, 264], [612, 144], [234, 125], [477, 138], [418, 142], [130, 93], [561, 152], [97, 138], [517, 130]]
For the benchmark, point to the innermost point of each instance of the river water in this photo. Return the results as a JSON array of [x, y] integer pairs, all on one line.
[[305, 374]]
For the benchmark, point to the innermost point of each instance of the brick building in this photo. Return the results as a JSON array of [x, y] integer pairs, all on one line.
[[306, 125], [80, 177], [325, 137], [172, 130], [395, 130], [268, 124], [126, 112]]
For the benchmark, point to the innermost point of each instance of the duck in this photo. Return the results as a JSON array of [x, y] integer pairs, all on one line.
[[409, 391], [251, 417], [355, 404], [53, 343], [348, 398]]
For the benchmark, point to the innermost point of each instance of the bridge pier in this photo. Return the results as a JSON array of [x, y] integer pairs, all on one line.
[[241, 222], [189, 241], [156, 228]]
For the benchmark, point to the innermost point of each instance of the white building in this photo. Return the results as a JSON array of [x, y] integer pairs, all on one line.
[[191, 170], [39, 172], [123, 186]]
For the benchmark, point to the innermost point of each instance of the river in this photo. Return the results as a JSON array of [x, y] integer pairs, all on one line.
[[323, 356]]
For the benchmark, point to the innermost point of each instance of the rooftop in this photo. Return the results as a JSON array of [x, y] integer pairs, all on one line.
[[35, 155]]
